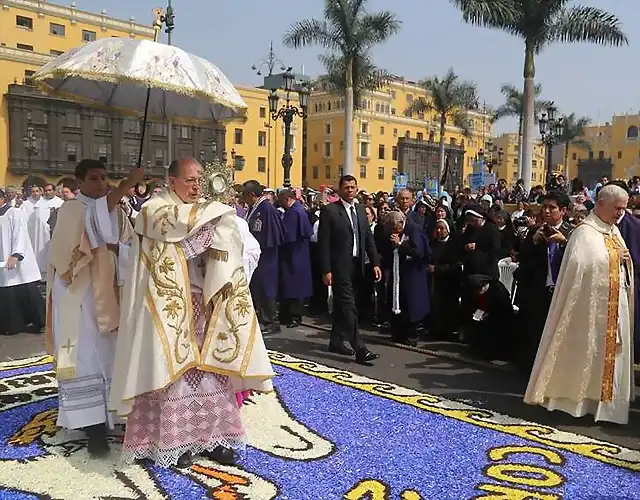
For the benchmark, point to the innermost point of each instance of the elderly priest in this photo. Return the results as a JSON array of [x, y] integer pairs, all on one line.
[[584, 362], [189, 337], [87, 262]]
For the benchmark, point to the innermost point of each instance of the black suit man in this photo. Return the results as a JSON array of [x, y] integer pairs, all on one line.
[[344, 239]]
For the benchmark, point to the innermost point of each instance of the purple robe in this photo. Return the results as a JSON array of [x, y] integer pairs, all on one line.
[[415, 254], [630, 229], [241, 211], [295, 257], [265, 225]]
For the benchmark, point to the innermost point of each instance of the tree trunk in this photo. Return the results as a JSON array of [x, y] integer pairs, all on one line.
[[529, 118], [443, 126], [520, 127], [348, 122]]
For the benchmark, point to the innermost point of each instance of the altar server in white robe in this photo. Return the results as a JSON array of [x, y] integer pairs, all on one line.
[[89, 250], [38, 209], [584, 362], [22, 306]]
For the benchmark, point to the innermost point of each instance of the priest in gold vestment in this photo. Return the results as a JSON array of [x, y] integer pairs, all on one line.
[[189, 338], [584, 361], [87, 261]]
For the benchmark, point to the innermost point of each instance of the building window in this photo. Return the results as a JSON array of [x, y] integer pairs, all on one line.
[[363, 171], [574, 156], [381, 152], [102, 122], [72, 120], [395, 132], [381, 130], [327, 150], [393, 94], [24, 46], [381, 173], [591, 155], [393, 111], [103, 152], [632, 132], [262, 138], [238, 136], [534, 163], [55, 53], [420, 136], [262, 164], [87, 35], [341, 170], [315, 147], [130, 151], [73, 152], [327, 128], [263, 112], [327, 171], [315, 172], [27, 76], [24, 22], [407, 134], [341, 145], [365, 128], [364, 149], [394, 172], [452, 141], [185, 132], [159, 157], [600, 155], [56, 29], [159, 129], [619, 155], [394, 153]]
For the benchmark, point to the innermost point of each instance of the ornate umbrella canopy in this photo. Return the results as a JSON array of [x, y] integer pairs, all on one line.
[[117, 73]]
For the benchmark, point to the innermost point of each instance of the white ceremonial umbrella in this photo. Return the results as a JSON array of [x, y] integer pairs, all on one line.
[[142, 77]]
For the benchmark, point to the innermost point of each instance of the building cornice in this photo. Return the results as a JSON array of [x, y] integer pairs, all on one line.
[[43, 8], [24, 56], [389, 118]]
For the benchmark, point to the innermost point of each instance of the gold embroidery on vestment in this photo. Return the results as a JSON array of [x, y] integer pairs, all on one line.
[[611, 343], [219, 255]]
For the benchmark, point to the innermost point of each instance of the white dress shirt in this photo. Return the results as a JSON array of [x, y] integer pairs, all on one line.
[[347, 207]]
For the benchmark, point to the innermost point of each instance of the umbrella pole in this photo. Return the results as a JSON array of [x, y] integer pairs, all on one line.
[[144, 126]]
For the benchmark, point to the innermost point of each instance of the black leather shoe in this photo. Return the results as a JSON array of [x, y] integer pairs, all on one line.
[[185, 460], [222, 455], [341, 349], [365, 356], [294, 324], [97, 445]]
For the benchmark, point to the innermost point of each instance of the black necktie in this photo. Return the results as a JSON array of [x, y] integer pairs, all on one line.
[[356, 229]]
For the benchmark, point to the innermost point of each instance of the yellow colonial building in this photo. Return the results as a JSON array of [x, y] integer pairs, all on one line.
[[613, 148], [506, 165], [259, 140], [34, 31], [378, 125]]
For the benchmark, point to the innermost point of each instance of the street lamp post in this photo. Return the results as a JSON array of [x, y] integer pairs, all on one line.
[[286, 113], [31, 147], [551, 129]]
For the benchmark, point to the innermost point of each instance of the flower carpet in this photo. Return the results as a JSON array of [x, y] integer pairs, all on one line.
[[324, 434]]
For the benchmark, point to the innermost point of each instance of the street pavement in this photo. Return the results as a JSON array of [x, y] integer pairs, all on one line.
[[450, 375]]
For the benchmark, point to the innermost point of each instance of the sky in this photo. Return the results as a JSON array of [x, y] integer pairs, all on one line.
[[585, 79]]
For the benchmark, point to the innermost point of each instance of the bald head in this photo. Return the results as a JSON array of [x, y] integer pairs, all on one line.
[[404, 199], [184, 179], [611, 203]]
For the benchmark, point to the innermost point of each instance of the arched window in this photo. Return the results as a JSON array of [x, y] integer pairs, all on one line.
[[632, 132]]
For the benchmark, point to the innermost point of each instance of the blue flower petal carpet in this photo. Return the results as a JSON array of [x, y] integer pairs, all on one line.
[[324, 434]]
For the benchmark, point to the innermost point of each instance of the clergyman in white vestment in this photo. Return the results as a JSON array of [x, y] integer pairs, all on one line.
[[38, 209], [189, 339], [20, 299], [584, 361], [89, 253]]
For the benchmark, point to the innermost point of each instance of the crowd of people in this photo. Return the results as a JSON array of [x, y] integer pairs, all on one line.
[[495, 270]]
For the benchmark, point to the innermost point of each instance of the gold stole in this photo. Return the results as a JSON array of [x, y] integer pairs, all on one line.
[[614, 247]]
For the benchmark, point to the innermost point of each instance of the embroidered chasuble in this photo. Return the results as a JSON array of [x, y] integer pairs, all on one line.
[[584, 361], [87, 253], [157, 342]]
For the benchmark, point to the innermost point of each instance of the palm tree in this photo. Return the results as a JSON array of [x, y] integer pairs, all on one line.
[[541, 23], [450, 98], [573, 135], [349, 33], [514, 107]]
